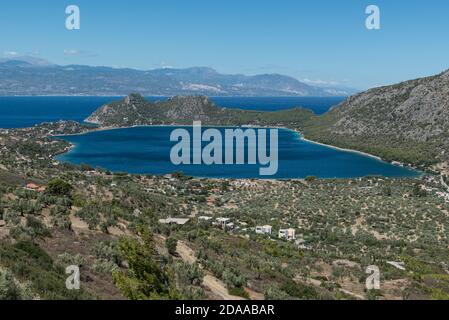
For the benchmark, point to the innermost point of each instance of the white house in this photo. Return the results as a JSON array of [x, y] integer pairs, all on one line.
[[264, 229], [287, 234], [178, 221], [225, 223], [204, 218]]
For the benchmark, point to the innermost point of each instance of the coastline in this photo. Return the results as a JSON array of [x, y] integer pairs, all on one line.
[[299, 133], [343, 149], [394, 163]]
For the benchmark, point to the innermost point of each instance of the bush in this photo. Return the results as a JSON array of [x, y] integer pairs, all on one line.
[[171, 244], [10, 289], [189, 274], [418, 191], [67, 259], [299, 290], [107, 250], [189, 279], [29, 263], [233, 279], [147, 278], [59, 187], [104, 267], [239, 292], [36, 229], [274, 293]]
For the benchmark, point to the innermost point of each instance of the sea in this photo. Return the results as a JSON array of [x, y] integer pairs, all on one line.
[[22, 112], [146, 150]]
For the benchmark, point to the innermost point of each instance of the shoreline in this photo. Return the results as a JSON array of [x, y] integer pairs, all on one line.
[[299, 133], [345, 150], [302, 136]]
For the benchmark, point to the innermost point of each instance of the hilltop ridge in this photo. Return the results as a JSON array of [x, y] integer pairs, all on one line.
[[135, 110], [407, 122]]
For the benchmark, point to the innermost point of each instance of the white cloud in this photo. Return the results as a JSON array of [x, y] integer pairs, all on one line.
[[320, 82], [79, 53], [72, 52], [165, 65], [11, 53]]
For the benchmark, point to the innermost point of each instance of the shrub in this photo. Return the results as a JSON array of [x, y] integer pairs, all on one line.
[[29, 263], [239, 292], [171, 244], [59, 187], [274, 293], [104, 267], [299, 290], [9, 288], [147, 278], [66, 259]]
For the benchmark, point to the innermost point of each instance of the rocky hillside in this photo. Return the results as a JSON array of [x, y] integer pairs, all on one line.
[[405, 122], [135, 110]]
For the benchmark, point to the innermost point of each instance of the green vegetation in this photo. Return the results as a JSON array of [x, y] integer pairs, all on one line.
[[59, 187], [171, 244], [11, 289], [145, 279], [28, 263]]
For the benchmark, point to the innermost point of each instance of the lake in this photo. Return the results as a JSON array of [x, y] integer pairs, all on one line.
[[146, 150]]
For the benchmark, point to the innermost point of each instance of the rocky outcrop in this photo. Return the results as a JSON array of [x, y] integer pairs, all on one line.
[[135, 110]]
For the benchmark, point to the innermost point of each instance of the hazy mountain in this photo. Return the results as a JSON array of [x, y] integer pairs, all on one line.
[[33, 61], [32, 76]]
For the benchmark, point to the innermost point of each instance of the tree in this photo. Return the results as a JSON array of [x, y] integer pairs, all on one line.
[[418, 191], [171, 244], [86, 167], [310, 178], [59, 187], [147, 277], [10, 289], [386, 191], [36, 229]]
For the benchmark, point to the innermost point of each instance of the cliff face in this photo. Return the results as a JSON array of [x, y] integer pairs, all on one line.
[[406, 122]]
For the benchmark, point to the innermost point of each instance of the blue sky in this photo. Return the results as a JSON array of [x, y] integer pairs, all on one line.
[[315, 40]]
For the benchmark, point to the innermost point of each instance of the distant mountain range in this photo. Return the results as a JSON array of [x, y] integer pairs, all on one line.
[[34, 76]]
